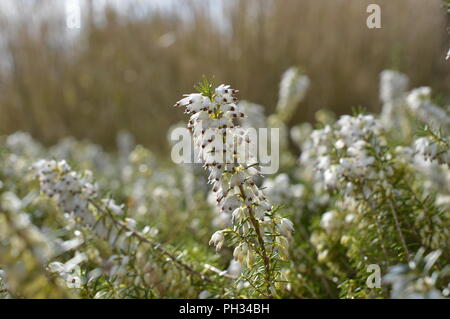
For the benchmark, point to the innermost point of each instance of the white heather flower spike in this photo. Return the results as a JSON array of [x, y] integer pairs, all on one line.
[[71, 190], [293, 87], [393, 87], [233, 171], [433, 149], [353, 133], [420, 103]]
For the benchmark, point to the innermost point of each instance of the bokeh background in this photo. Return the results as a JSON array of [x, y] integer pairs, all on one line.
[[131, 60]]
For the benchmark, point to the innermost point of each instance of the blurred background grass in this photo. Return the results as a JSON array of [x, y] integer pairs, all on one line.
[[125, 67]]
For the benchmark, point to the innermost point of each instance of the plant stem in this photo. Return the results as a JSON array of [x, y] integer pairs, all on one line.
[[399, 230], [261, 243], [156, 246]]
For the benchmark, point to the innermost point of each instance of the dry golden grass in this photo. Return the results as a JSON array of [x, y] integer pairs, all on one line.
[[125, 74]]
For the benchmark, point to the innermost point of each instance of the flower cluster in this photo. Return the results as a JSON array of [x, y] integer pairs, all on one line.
[[293, 88], [69, 271], [280, 189], [377, 210], [420, 103], [369, 190], [417, 280], [94, 219], [225, 149], [432, 149], [393, 87], [76, 194], [342, 152], [71, 190]]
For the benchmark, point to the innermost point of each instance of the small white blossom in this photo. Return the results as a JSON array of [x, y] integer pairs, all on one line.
[[286, 227], [217, 239]]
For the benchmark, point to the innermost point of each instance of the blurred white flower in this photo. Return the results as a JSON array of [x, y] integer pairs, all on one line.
[[293, 87], [328, 220], [217, 239], [420, 103]]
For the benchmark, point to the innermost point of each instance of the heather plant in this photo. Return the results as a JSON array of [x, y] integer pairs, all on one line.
[[357, 192], [110, 256], [259, 235], [24, 254], [417, 279], [130, 259], [380, 211]]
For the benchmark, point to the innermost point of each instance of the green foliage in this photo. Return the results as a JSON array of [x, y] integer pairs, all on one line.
[[361, 195], [205, 87]]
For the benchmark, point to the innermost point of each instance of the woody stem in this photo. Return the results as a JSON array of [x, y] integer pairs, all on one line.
[[261, 243]]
